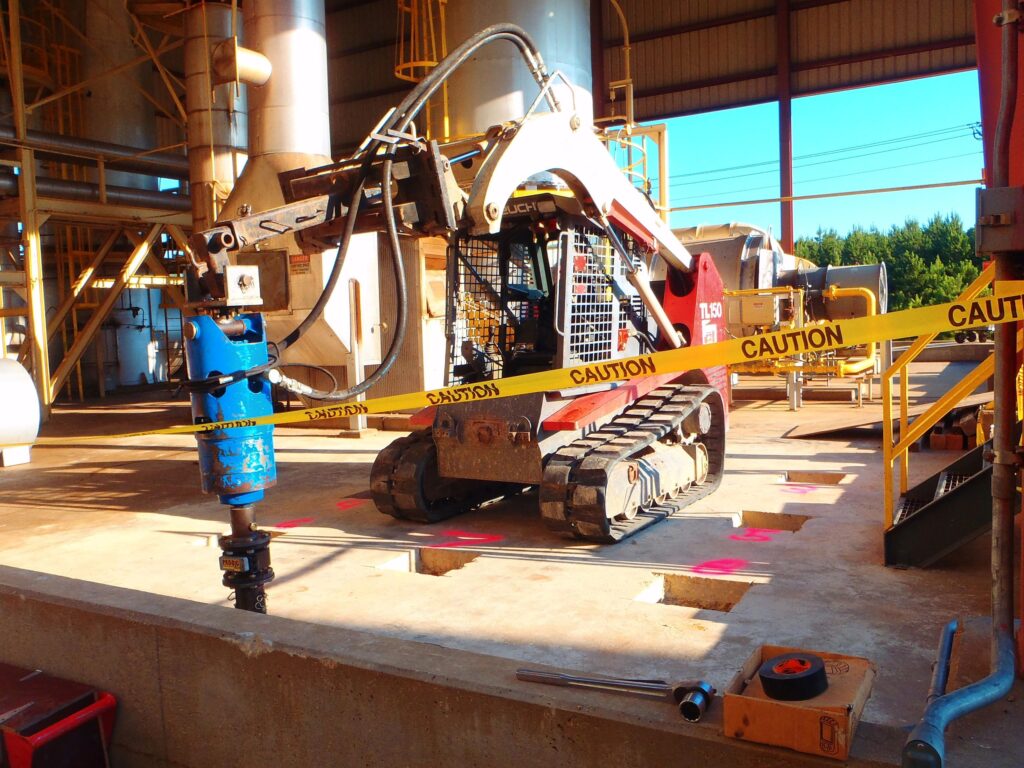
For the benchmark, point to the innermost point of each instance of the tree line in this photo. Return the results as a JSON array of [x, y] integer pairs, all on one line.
[[926, 265]]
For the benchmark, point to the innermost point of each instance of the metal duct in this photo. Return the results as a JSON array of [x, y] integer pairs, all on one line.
[[217, 120], [495, 86], [289, 127], [291, 112], [80, 190], [818, 281], [69, 149]]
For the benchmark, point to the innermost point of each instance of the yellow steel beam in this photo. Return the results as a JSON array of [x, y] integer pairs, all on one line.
[[70, 25], [887, 452], [83, 281], [143, 281], [131, 266], [140, 34], [945, 404], [85, 83], [176, 297], [10, 278], [910, 353], [31, 219], [80, 211]]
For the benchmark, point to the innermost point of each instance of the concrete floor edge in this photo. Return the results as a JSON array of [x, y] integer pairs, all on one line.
[[233, 689]]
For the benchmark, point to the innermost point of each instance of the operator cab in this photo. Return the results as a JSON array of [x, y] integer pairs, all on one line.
[[546, 292]]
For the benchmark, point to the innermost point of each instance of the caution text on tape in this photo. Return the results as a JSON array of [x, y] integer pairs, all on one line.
[[1004, 306]]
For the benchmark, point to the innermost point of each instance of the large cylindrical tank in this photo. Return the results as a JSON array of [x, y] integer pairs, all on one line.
[[289, 128], [495, 85], [19, 412], [291, 112], [133, 337], [114, 110], [818, 281]]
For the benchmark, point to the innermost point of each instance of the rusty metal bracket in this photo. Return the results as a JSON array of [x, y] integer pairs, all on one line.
[[1003, 18], [1000, 220]]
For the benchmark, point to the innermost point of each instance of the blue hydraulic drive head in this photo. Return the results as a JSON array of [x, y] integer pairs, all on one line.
[[236, 463]]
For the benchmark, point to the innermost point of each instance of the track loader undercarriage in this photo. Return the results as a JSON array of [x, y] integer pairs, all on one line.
[[663, 452]]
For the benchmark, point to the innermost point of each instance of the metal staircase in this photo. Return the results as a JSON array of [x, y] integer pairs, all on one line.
[[941, 514]]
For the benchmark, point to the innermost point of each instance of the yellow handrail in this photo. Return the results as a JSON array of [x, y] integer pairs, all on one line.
[[892, 450]]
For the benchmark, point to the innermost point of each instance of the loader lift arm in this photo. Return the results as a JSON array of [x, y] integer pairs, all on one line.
[[429, 182]]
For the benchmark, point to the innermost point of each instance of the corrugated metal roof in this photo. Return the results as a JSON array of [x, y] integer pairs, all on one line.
[[689, 55], [700, 55]]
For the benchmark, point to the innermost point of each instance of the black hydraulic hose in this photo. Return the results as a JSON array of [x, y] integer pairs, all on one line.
[[332, 280], [400, 120]]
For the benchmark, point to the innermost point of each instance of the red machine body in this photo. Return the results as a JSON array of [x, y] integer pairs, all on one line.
[[695, 303]]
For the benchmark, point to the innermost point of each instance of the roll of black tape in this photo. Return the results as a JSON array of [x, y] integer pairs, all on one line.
[[793, 677]]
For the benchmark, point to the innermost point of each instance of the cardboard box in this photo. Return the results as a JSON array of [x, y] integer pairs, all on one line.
[[823, 725]]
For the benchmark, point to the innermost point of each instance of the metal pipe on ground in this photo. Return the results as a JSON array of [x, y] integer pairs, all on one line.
[[70, 149], [80, 190], [925, 748]]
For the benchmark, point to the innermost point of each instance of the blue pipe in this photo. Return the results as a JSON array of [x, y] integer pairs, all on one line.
[[926, 747]]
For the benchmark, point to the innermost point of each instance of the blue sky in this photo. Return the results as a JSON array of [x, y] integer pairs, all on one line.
[[915, 132]]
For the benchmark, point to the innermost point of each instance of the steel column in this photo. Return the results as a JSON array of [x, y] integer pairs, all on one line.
[[987, 45], [784, 86], [990, 80], [31, 221]]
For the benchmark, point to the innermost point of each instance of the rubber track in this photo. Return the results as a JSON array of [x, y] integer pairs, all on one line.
[[402, 472], [572, 494]]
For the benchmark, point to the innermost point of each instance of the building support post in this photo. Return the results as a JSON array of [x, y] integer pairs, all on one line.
[[784, 87], [31, 221]]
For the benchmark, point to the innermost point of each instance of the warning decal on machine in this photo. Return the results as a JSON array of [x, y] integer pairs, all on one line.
[[298, 263], [1006, 306]]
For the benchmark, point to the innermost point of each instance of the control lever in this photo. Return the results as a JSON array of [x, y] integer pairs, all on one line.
[[692, 696]]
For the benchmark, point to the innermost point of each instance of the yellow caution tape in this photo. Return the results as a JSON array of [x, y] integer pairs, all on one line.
[[1001, 308]]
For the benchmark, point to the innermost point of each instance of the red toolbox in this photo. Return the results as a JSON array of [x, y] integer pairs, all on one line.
[[47, 722]]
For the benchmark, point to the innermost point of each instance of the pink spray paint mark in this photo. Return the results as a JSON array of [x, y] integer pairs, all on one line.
[[724, 567], [467, 538], [295, 523], [800, 489], [755, 534], [350, 503]]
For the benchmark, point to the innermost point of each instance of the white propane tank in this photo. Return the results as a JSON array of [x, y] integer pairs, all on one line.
[[19, 413]]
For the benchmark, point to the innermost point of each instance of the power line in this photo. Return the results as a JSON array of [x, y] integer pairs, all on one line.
[[837, 150], [796, 198], [819, 162], [854, 173]]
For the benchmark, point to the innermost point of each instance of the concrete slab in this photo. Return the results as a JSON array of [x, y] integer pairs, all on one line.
[[801, 562]]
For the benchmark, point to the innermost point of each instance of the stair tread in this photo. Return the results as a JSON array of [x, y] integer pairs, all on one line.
[[948, 481]]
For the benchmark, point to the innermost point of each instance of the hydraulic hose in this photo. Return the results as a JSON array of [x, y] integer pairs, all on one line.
[[399, 121]]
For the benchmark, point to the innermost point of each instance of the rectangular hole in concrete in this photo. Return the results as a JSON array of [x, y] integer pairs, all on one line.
[[429, 561], [810, 477], [694, 592], [769, 521]]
